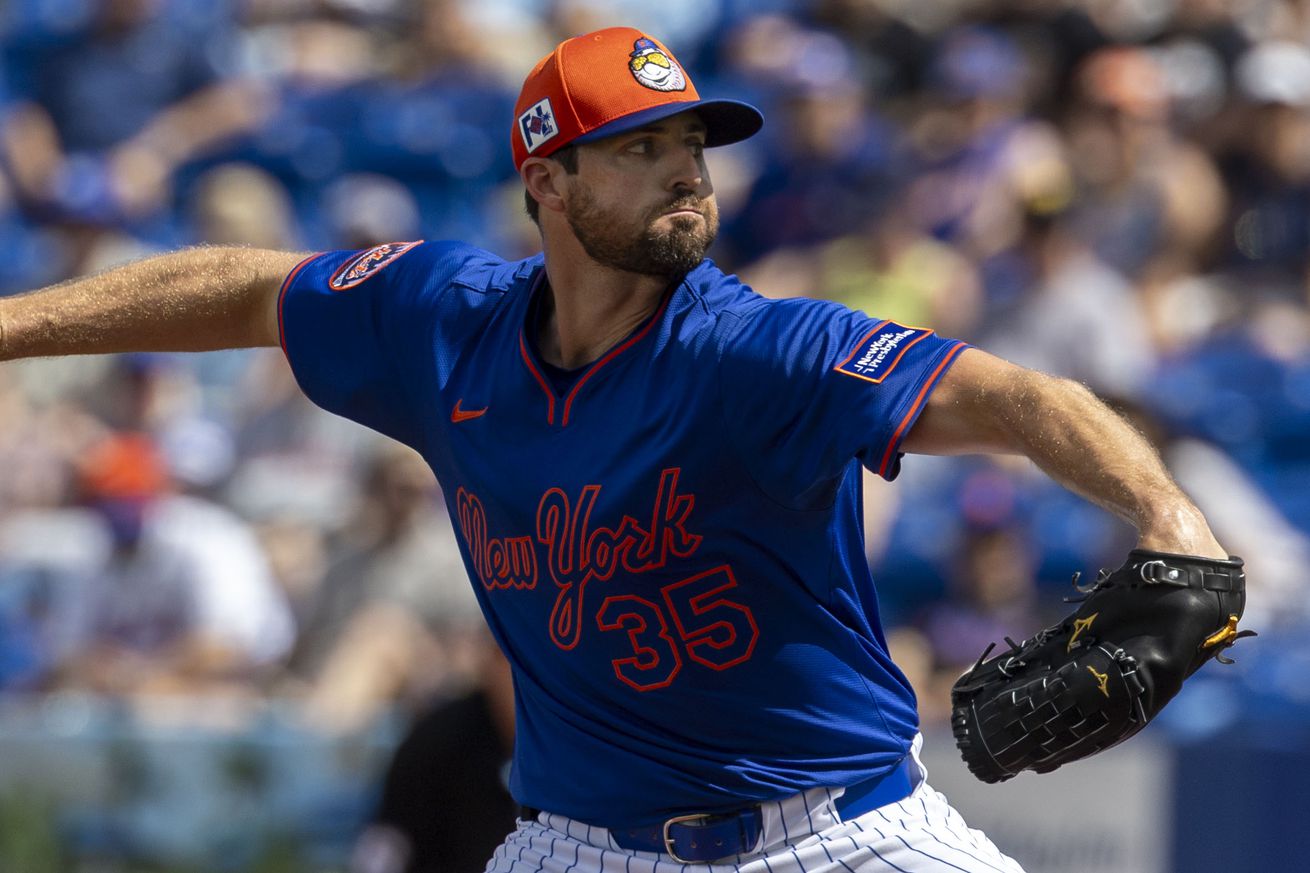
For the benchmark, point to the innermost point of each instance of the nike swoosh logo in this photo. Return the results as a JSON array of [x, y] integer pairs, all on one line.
[[457, 415]]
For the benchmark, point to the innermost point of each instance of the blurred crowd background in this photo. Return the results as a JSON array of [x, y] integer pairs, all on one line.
[[1117, 191]]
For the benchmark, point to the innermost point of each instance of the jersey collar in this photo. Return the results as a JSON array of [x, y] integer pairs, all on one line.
[[557, 406]]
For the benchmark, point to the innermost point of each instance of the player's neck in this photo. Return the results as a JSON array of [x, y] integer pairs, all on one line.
[[588, 309]]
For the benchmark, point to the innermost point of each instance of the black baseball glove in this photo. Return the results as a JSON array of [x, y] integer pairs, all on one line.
[[1102, 673]]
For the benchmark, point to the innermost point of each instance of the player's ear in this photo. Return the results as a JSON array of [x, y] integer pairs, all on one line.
[[543, 179]]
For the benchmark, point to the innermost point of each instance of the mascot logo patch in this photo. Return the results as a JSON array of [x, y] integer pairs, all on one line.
[[881, 349], [537, 125], [653, 68], [367, 264]]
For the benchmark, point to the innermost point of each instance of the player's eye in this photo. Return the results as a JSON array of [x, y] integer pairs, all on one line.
[[641, 147]]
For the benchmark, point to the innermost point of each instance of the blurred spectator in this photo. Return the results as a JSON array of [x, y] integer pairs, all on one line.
[[1077, 318], [170, 103], [44, 544], [181, 598], [889, 269], [242, 609], [26, 257], [1246, 389], [313, 72], [240, 204], [832, 169], [27, 650], [1270, 166], [892, 53], [295, 462], [1215, 24], [992, 594], [366, 209], [139, 603], [394, 616], [897, 272], [1142, 189], [964, 139], [1244, 519], [456, 754]]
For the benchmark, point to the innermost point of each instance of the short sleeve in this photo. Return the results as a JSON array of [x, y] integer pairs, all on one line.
[[362, 328], [809, 385]]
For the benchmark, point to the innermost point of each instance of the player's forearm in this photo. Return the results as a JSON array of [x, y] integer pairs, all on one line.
[[992, 406], [193, 300], [1086, 447]]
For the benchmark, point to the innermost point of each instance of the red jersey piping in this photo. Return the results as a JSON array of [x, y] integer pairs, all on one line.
[[281, 296], [532, 368], [914, 408], [611, 355]]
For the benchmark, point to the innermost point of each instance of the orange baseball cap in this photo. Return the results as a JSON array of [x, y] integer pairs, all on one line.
[[125, 466], [610, 81]]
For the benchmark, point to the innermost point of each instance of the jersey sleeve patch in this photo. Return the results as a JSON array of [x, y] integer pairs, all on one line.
[[367, 264], [880, 350]]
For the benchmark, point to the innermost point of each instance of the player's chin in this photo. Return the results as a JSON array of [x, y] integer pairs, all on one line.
[[691, 241], [673, 253], [684, 229]]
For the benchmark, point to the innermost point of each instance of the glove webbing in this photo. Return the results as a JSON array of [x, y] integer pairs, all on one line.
[[1040, 724]]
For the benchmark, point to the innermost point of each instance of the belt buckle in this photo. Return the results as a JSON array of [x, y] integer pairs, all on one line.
[[668, 839]]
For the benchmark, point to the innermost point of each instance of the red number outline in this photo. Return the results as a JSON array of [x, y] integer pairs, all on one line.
[[697, 638], [634, 631]]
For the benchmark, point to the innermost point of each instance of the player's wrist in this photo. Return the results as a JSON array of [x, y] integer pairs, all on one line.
[[1180, 530]]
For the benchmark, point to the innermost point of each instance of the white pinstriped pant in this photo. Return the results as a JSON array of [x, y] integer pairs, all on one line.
[[802, 834]]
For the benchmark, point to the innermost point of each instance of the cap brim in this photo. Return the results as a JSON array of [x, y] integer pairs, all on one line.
[[726, 121]]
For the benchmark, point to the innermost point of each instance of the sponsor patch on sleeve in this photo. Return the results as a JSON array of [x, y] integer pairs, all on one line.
[[367, 264], [880, 350]]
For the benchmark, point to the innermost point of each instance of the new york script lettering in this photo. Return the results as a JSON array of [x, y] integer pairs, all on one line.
[[508, 562], [577, 552]]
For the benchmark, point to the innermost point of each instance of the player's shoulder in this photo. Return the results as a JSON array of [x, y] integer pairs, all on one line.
[[429, 264], [450, 278], [771, 315], [732, 301], [451, 263], [749, 324], [477, 269], [455, 255], [473, 285]]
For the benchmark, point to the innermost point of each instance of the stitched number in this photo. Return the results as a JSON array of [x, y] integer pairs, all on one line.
[[655, 659], [717, 632]]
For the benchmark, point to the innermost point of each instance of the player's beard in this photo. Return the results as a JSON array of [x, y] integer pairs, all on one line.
[[610, 237]]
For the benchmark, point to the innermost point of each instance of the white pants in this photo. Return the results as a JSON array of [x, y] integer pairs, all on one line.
[[802, 834]]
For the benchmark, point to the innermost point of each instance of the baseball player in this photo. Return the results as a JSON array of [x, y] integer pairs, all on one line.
[[654, 476]]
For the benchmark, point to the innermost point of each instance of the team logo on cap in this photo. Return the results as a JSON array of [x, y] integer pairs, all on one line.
[[653, 68], [538, 125]]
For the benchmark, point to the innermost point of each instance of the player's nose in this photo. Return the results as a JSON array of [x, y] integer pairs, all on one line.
[[687, 170]]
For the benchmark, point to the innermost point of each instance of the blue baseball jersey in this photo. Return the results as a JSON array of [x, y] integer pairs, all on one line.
[[668, 546]]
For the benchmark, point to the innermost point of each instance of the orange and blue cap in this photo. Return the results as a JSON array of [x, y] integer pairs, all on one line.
[[611, 81]]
